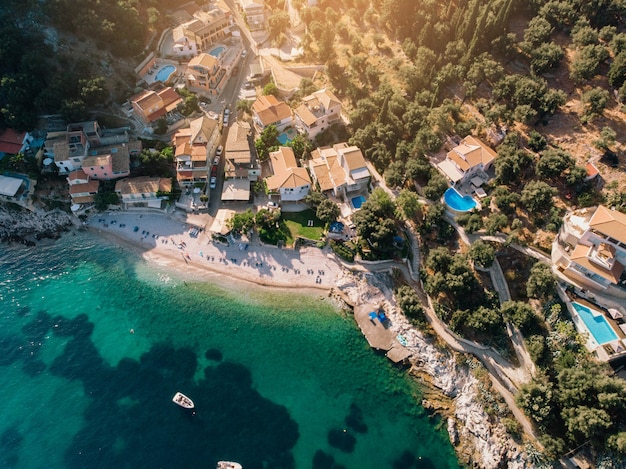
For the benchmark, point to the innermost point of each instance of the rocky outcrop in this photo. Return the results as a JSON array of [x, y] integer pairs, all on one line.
[[25, 226], [479, 440]]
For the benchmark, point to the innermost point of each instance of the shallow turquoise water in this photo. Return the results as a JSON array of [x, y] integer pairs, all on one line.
[[279, 380]]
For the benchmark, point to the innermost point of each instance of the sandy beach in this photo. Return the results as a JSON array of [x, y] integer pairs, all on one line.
[[168, 241]]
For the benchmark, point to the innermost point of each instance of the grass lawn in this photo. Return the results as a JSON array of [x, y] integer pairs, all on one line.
[[297, 222]]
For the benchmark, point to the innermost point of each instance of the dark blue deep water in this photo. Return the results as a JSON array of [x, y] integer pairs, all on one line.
[[280, 380]]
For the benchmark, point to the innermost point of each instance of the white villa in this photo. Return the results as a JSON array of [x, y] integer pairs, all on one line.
[[340, 169], [289, 180], [468, 159], [590, 248], [199, 30], [268, 110], [317, 112]]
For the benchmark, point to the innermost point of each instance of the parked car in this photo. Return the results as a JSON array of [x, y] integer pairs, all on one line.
[[272, 204], [219, 151], [213, 182], [214, 171], [244, 53], [216, 161]]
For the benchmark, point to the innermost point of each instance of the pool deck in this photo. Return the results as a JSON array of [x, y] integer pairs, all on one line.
[[379, 336], [604, 352]]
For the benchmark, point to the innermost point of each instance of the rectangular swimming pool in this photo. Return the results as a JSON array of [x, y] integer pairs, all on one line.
[[358, 201], [598, 326]]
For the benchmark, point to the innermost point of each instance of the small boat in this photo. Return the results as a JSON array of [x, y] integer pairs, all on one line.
[[228, 465], [182, 400]]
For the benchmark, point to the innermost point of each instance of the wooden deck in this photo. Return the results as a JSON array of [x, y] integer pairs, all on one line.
[[378, 335]]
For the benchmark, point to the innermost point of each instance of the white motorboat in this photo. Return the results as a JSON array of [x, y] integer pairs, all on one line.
[[228, 465], [182, 400]]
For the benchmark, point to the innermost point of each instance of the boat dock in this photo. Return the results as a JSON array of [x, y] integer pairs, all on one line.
[[378, 334]]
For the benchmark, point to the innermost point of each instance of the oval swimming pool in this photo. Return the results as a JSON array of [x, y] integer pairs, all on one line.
[[457, 202], [165, 73]]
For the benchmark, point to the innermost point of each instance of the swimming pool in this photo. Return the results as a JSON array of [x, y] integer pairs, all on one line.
[[286, 136], [165, 73], [459, 203], [598, 326], [357, 202], [217, 51]]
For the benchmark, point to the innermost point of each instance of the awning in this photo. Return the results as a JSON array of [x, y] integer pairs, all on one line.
[[615, 314], [477, 181], [451, 171]]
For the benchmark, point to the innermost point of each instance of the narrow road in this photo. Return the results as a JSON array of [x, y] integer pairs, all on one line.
[[504, 375]]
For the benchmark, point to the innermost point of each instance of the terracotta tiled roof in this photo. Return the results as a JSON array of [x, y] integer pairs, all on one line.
[[353, 157], [143, 185], [77, 174], [581, 254], [90, 187], [270, 110], [609, 222], [305, 115], [11, 141], [470, 153], [287, 173], [203, 60], [98, 160]]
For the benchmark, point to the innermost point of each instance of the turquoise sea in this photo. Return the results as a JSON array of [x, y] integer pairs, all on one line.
[[279, 379]]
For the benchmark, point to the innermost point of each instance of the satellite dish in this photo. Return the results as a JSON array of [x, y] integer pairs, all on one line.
[[47, 161], [75, 207]]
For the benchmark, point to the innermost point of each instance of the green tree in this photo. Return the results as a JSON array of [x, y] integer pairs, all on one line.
[[267, 142], [537, 400], [436, 186], [541, 282], [545, 57], [496, 222], [554, 163], [314, 199], [587, 62], [521, 314], [394, 174], [409, 303], [537, 196], [278, 23], [160, 127], [93, 91], [270, 89], [538, 31], [595, 101], [242, 222], [482, 253], [328, 211], [617, 71], [409, 204]]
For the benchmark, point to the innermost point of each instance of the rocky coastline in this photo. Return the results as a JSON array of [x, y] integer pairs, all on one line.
[[18, 225], [451, 390]]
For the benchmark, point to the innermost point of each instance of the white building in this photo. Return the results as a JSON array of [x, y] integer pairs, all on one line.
[[289, 180], [317, 112], [590, 248]]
